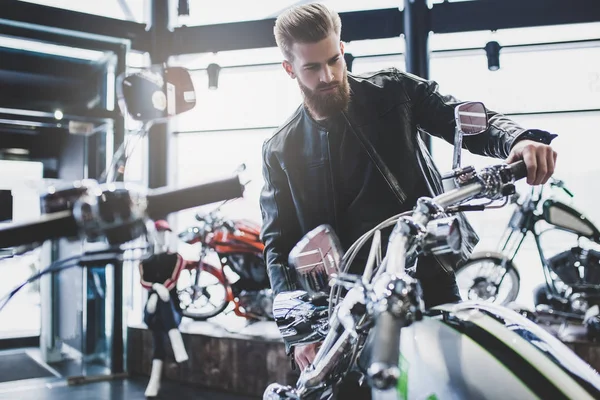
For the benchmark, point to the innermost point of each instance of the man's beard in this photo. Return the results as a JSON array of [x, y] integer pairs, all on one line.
[[325, 105]]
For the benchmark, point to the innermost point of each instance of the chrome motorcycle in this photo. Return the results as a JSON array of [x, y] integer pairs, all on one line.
[[571, 287], [380, 330]]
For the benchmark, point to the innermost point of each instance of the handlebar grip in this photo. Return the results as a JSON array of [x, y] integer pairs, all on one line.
[[164, 201], [518, 169], [48, 226], [384, 370]]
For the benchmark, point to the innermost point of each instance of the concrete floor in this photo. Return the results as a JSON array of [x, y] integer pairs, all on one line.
[[124, 389]]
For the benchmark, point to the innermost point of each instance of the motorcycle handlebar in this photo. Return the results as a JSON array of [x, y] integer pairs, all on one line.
[[518, 170], [164, 201], [384, 370], [480, 187], [49, 226], [159, 202]]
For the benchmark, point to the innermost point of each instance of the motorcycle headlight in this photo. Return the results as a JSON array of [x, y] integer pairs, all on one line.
[[443, 236]]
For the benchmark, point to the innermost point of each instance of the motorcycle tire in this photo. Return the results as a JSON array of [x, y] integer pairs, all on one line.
[[203, 316], [497, 260]]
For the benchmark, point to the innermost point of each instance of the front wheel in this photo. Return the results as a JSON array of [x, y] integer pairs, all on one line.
[[201, 297], [488, 277]]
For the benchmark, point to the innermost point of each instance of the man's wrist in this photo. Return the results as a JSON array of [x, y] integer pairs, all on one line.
[[536, 135]]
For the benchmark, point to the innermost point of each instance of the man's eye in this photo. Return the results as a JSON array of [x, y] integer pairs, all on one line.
[[313, 67], [335, 60]]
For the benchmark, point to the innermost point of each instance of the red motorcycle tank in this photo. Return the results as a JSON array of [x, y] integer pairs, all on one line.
[[244, 239]]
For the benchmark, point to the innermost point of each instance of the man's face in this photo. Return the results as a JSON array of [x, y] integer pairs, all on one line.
[[321, 72]]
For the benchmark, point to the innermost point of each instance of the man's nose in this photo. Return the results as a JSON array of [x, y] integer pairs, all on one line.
[[326, 75]]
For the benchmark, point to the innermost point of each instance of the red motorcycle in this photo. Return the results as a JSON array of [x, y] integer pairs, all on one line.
[[231, 270]]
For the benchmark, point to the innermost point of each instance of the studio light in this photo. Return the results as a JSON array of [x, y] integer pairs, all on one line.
[[58, 115], [213, 75], [492, 49]]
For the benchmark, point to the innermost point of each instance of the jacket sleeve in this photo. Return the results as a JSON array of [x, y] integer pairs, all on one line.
[[280, 226], [434, 114]]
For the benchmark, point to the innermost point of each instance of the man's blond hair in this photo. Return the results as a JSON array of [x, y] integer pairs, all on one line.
[[308, 23]]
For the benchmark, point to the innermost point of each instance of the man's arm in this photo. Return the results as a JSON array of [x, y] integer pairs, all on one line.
[[434, 114], [280, 225]]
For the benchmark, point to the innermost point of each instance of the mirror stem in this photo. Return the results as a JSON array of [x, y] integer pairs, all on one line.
[[458, 138]]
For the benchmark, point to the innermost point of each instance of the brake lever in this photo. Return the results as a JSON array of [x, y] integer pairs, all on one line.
[[475, 207]]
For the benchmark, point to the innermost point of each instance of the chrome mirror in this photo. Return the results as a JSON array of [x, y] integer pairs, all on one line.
[[316, 257], [471, 119]]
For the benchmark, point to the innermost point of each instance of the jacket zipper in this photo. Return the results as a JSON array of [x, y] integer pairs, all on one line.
[[378, 162], [335, 210]]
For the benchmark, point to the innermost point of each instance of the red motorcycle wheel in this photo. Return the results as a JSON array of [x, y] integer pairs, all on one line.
[[208, 298]]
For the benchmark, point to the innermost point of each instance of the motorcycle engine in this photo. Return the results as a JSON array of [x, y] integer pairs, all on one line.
[[579, 269], [258, 303], [577, 266]]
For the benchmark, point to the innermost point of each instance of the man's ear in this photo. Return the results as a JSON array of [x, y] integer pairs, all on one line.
[[289, 68], [342, 47]]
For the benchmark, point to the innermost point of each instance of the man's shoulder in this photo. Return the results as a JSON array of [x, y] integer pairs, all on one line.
[[378, 91], [383, 78], [384, 73], [283, 131]]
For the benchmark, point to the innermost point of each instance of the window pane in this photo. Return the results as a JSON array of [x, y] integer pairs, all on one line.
[[246, 98], [229, 58], [133, 11], [209, 156], [372, 64], [376, 47], [22, 314], [527, 81]]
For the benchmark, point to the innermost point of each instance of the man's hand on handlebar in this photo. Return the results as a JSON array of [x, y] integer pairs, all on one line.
[[539, 158], [305, 354]]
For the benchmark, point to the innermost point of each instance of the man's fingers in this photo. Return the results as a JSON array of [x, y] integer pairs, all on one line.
[[542, 167], [550, 158], [512, 157], [305, 354], [301, 361], [531, 163]]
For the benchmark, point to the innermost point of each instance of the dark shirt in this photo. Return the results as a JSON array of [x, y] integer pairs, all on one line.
[[363, 196]]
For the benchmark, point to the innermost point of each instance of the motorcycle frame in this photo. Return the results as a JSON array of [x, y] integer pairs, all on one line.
[[530, 216]]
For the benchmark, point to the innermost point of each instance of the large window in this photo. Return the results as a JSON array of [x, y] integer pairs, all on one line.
[[20, 179], [543, 78], [541, 86], [534, 81], [247, 97]]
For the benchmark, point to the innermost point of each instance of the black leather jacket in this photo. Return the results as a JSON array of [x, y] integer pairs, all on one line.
[[390, 108]]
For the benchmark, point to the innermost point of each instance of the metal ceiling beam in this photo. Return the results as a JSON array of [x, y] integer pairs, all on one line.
[[45, 64], [358, 25], [505, 14], [39, 22], [388, 23]]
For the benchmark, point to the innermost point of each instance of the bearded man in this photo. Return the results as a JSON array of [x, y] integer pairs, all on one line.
[[320, 167]]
